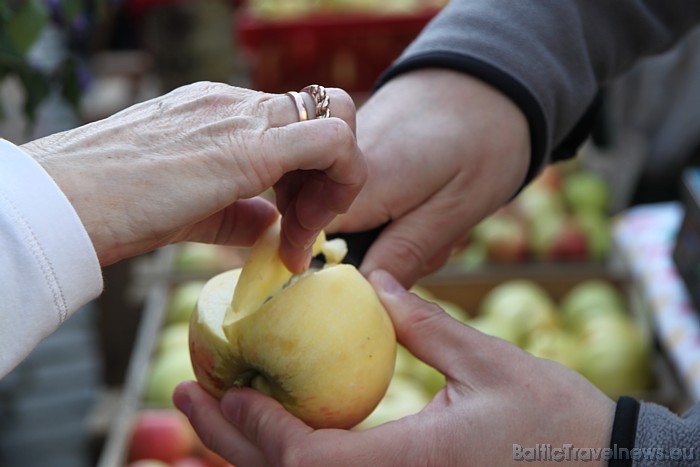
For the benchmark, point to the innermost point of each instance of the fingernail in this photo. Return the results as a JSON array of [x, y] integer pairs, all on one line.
[[182, 401], [230, 406], [386, 283]]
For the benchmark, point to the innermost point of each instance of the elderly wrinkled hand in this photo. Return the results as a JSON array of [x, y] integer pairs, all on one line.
[[190, 165]]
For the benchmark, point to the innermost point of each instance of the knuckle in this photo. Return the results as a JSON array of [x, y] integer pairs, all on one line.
[[341, 102], [341, 135], [412, 254], [425, 314]]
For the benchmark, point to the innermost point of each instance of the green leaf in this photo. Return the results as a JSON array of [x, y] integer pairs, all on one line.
[[70, 82], [25, 24], [36, 88], [72, 8]]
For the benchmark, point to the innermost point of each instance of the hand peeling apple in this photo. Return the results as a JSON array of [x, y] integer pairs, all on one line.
[[320, 343]]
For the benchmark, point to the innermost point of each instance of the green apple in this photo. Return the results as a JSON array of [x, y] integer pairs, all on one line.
[[409, 366], [321, 344], [496, 326], [586, 190], [524, 304], [173, 337], [596, 226], [615, 356], [557, 345], [589, 299], [404, 397], [536, 202], [168, 369], [192, 257], [182, 301]]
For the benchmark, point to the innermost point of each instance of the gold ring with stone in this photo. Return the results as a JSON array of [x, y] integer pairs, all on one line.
[[299, 104], [321, 98]]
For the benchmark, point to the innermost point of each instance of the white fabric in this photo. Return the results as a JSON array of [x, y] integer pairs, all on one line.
[[48, 265]]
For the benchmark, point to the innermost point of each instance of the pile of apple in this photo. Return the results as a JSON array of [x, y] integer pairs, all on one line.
[[589, 330], [160, 435], [563, 215], [171, 364]]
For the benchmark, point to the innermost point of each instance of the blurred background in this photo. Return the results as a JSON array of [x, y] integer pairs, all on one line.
[[611, 234]]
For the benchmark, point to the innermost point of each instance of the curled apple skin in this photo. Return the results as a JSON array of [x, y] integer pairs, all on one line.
[[324, 347]]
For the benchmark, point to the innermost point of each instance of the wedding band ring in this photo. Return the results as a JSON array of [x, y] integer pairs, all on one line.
[[299, 104], [321, 98]]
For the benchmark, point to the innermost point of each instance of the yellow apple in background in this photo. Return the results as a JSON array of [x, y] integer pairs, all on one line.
[[615, 355], [558, 345], [524, 304], [182, 301], [173, 337], [497, 326], [589, 299], [168, 369], [404, 397], [323, 345]]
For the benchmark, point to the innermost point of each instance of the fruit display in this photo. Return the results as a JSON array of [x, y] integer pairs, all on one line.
[[320, 343], [589, 329], [159, 435], [286, 9], [170, 364], [562, 216]]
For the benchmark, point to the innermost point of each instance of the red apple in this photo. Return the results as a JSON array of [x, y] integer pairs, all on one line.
[[503, 236], [550, 178], [148, 463], [164, 435], [559, 238]]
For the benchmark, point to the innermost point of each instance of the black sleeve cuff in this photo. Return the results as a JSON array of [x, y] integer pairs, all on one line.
[[624, 430], [497, 78], [568, 148]]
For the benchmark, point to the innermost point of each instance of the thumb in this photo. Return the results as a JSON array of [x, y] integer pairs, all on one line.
[[429, 332], [263, 421], [414, 245]]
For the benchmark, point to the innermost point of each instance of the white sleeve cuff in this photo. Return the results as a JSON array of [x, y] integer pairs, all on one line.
[[49, 265]]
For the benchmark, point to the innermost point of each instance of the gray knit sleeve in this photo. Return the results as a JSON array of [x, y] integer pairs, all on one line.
[[664, 438], [549, 56]]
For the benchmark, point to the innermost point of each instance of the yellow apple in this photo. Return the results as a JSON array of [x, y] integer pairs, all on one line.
[[404, 397], [321, 344]]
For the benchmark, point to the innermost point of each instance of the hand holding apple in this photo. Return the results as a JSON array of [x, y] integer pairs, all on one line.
[[321, 343], [492, 387]]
